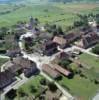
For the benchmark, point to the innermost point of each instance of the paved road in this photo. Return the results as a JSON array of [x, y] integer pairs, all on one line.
[[85, 51], [2, 56], [96, 97], [2, 67]]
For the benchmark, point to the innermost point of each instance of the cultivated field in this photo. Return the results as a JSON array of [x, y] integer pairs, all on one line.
[[60, 14], [82, 88], [79, 7]]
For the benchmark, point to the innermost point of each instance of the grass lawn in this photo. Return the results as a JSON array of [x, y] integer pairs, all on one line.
[[2, 61], [93, 64], [80, 87], [33, 81], [74, 66], [92, 61]]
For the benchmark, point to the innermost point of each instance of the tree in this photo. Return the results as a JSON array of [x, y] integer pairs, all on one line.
[[26, 46], [64, 63], [53, 26], [43, 81], [3, 31], [16, 37], [55, 33], [59, 30], [48, 27], [83, 20], [97, 18], [52, 87], [78, 23], [32, 89], [36, 21], [21, 92], [96, 49], [11, 59]]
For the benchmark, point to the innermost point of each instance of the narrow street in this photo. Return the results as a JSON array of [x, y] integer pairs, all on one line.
[[85, 51], [2, 56]]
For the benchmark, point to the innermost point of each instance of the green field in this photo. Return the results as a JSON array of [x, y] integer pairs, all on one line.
[[59, 14], [33, 81], [82, 88], [92, 61], [93, 66], [79, 7]]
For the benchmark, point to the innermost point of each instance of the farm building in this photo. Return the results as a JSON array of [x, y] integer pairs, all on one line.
[[90, 40], [6, 78], [71, 37], [50, 71], [22, 65], [60, 41], [31, 71], [61, 70]]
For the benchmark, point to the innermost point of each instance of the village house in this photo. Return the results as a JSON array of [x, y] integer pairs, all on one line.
[[60, 41], [31, 71], [20, 30], [50, 71], [23, 65], [61, 70], [13, 53], [86, 29], [63, 55], [90, 39], [6, 78], [49, 48], [71, 37], [16, 33], [10, 38]]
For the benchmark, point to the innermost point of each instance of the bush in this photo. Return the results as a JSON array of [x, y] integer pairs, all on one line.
[[33, 89], [21, 93], [43, 82], [96, 49], [64, 63], [52, 87]]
